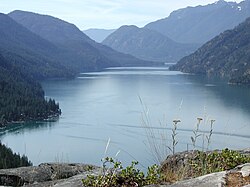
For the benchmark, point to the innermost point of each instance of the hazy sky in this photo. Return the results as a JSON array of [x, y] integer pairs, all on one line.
[[102, 13]]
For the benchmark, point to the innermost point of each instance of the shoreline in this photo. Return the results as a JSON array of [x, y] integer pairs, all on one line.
[[50, 117]]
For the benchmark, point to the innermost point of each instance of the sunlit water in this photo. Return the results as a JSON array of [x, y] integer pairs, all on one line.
[[110, 104]]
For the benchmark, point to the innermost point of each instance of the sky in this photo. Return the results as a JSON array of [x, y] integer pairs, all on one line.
[[107, 14]]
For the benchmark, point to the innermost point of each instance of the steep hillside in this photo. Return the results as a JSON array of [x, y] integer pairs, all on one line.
[[227, 55], [147, 44], [98, 35], [69, 38], [202, 23]]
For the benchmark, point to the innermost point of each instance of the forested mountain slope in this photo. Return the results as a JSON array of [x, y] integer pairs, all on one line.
[[227, 55]]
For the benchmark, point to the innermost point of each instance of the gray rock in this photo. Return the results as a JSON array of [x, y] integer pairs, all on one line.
[[75, 181], [244, 169], [214, 179], [50, 173]]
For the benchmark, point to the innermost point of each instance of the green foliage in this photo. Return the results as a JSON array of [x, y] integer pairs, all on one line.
[[116, 175], [8, 159], [210, 162]]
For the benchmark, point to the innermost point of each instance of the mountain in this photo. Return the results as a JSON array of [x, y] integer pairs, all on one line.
[[202, 23], [98, 35], [227, 55], [147, 44], [31, 53], [79, 48]]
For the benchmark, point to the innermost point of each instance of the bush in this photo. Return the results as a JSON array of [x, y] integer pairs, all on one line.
[[210, 162], [118, 176]]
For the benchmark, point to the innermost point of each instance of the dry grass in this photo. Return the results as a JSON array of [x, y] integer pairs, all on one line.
[[157, 138], [236, 180], [172, 176]]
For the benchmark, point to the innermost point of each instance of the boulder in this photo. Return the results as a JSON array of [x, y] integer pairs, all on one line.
[[42, 173]]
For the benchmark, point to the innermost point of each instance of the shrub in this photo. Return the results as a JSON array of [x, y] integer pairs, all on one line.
[[118, 176], [210, 162]]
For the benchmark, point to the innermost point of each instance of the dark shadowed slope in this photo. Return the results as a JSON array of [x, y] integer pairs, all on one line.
[[33, 54], [227, 55], [147, 44], [202, 23]]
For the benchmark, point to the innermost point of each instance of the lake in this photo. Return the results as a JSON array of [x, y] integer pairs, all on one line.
[[134, 108]]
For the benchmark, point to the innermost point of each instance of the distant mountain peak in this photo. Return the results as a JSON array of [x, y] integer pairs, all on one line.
[[220, 1], [128, 27]]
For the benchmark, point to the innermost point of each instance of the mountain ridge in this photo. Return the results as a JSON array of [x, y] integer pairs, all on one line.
[[201, 23], [181, 33], [68, 37], [147, 44]]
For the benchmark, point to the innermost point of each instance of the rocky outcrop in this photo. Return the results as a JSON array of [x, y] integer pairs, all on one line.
[[43, 175], [180, 164], [180, 167]]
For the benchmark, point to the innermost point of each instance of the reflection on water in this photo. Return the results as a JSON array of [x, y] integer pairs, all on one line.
[[231, 95], [102, 105]]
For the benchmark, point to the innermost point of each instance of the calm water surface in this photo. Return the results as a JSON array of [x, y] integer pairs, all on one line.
[[103, 105]]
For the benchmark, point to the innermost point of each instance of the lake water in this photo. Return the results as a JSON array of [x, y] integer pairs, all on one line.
[[110, 104]]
